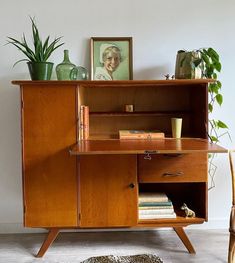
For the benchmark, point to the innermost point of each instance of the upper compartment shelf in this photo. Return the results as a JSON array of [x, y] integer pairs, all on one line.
[[139, 113]]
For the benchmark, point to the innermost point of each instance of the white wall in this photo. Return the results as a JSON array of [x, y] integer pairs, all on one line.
[[159, 28]]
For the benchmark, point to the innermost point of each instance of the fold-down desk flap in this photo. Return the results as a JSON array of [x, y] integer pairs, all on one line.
[[158, 146]]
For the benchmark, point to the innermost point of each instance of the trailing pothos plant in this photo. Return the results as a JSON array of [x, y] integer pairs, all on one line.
[[209, 62]]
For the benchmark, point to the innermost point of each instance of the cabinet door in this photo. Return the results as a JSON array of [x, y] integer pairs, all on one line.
[[108, 190], [49, 172]]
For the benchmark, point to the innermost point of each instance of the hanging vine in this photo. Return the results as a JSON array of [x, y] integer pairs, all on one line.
[[209, 62]]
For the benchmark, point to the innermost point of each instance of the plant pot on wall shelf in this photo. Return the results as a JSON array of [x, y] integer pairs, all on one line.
[[40, 70]]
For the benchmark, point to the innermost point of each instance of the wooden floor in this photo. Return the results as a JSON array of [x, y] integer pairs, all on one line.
[[210, 245]]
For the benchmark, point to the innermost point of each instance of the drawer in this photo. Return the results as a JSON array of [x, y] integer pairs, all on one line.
[[173, 168]]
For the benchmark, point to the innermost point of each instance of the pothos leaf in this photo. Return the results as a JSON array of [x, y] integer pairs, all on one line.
[[217, 66], [210, 107], [214, 76], [214, 139], [219, 84], [213, 88], [219, 99], [222, 125]]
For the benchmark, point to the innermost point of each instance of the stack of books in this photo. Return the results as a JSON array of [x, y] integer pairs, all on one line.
[[84, 123], [155, 205], [140, 134]]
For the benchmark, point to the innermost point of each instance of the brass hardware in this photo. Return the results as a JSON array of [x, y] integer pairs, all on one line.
[[169, 174], [147, 154], [148, 157], [150, 152], [173, 155], [132, 185]]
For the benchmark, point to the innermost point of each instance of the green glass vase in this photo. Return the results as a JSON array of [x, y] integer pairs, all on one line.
[[63, 69]]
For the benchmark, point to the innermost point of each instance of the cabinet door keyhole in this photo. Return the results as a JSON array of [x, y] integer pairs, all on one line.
[[132, 185]]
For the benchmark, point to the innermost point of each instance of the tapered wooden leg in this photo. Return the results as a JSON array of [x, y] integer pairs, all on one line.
[[231, 250], [53, 232], [182, 235]]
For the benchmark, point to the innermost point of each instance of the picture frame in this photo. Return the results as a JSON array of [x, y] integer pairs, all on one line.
[[111, 58]]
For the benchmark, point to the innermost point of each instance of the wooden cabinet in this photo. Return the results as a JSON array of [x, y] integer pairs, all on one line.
[[95, 183]]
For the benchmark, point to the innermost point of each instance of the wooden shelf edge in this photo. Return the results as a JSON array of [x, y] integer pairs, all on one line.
[[114, 83], [138, 113], [161, 222], [157, 146], [171, 221]]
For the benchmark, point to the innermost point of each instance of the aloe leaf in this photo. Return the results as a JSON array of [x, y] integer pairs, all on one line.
[[52, 47], [22, 49], [41, 50], [25, 59], [45, 46], [27, 49]]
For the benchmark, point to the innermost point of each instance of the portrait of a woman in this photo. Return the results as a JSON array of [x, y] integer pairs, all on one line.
[[111, 58]]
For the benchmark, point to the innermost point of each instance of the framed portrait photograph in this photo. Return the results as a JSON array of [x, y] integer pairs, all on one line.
[[111, 58]]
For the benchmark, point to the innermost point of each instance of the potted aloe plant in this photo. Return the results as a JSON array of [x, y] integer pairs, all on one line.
[[39, 67]]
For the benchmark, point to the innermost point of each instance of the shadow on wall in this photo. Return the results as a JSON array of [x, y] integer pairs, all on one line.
[[157, 72]]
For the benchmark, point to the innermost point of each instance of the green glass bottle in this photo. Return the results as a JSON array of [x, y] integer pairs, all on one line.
[[63, 69]]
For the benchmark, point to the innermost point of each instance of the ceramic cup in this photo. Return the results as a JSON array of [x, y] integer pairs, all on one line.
[[176, 126]]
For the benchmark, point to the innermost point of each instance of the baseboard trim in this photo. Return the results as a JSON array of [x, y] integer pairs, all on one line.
[[17, 228]]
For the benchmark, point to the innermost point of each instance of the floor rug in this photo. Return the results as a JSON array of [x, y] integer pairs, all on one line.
[[144, 258]]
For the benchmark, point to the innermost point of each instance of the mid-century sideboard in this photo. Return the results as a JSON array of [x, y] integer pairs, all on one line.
[[95, 183]]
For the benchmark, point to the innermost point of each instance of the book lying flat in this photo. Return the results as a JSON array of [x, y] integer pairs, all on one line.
[[153, 197], [157, 216], [157, 212], [155, 207], [141, 134], [169, 203]]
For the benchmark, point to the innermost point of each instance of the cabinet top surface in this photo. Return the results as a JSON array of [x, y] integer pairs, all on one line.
[[114, 82], [158, 146]]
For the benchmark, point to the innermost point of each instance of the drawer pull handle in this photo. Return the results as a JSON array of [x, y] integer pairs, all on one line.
[[168, 174], [173, 155]]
